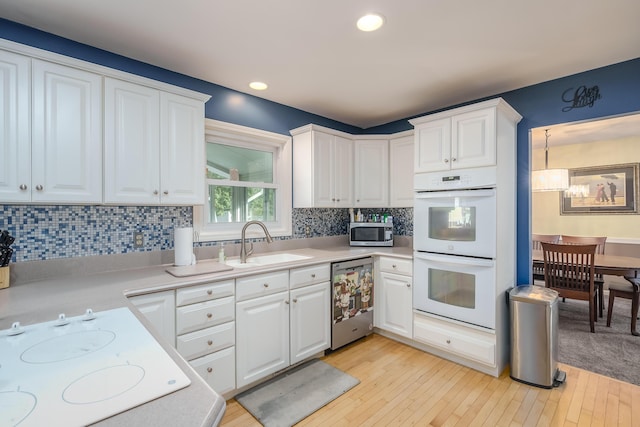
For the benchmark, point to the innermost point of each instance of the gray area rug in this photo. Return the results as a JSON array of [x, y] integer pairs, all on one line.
[[296, 394], [613, 351]]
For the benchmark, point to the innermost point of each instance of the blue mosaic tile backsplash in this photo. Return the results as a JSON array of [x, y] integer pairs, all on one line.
[[50, 232]]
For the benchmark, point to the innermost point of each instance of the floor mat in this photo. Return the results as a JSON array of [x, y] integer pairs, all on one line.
[[296, 394]]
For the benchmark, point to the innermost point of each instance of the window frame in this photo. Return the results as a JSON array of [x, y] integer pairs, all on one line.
[[256, 139]]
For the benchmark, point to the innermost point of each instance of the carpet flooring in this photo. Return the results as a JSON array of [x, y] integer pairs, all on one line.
[[296, 394], [613, 351]]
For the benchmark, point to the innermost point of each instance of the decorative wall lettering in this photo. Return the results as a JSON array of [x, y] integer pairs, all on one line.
[[582, 97]]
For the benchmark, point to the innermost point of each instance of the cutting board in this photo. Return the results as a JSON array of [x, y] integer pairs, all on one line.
[[206, 267]]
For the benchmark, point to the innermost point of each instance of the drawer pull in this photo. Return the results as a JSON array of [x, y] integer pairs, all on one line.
[[408, 285], [210, 342], [209, 315], [394, 266], [313, 276], [448, 341], [209, 292], [266, 285], [295, 300], [209, 370], [286, 301]]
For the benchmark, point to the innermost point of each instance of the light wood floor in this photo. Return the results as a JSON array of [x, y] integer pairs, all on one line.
[[401, 386]]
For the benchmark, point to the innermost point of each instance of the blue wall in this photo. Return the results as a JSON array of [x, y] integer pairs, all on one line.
[[539, 105]]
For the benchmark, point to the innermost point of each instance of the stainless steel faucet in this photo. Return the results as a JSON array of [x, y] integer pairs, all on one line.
[[243, 246]]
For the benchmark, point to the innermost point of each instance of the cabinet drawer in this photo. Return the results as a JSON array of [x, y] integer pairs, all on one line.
[[396, 265], [261, 285], [206, 292], [204, 314], [465, 342], [205, 341], [218, 369], [304, 276]]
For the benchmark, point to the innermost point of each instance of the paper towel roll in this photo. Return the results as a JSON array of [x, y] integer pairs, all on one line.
[[183, 246]]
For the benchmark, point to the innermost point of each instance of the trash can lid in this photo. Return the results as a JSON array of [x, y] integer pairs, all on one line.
[[533, 294]]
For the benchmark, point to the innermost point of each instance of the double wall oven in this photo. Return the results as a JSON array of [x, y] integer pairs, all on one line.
[[454, 245]]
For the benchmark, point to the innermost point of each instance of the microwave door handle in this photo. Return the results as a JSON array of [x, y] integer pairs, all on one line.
[[449, 194], [455, 260]]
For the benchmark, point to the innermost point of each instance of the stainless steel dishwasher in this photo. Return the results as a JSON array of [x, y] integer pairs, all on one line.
[[352, 300]]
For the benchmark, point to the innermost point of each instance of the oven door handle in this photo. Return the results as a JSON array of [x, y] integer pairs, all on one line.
[[471, 194], [455, 260]]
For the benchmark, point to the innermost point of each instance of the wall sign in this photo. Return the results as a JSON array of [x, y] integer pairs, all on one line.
[[580, 97]]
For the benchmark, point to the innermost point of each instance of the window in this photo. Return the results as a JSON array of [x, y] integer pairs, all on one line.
[[248, 178]]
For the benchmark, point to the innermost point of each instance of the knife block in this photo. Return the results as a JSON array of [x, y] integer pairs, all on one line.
[[4, 277]]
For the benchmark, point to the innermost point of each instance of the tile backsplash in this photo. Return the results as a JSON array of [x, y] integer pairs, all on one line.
[[50, 232]]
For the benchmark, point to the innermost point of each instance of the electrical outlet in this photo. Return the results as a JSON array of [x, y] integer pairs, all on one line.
[[307, 231], [138, 239]]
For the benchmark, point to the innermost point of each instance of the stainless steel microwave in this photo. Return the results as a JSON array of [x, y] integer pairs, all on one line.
[[371, 234]]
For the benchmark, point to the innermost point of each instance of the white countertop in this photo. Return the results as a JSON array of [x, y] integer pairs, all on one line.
[[197, 404]]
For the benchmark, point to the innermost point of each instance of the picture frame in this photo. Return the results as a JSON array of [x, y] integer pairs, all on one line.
[[601, 190]]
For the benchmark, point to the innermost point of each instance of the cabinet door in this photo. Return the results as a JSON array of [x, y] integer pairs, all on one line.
[[67, 134], [395, 304], [262, 341], [401, 172], [182, 150], [217, 370], [433, 146], [371, 173], [15, 128], [323, 170], [474, 139], [310, 321], [160, 309], [132, 148], [343, 172]]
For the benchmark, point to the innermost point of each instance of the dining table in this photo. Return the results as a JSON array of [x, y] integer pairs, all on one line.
[[612, 265]]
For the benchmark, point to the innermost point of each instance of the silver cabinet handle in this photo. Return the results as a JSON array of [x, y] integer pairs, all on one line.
[[295, 300], [209, 315], [266, 285], [313, 276], [22, 187], [39, 187], [446, 160], [408, 285], [155, 192], [165, 192], [210, 342], [454, 159], [286, 301], [448, 341], [209, 292], [209, 370], [394, 266]]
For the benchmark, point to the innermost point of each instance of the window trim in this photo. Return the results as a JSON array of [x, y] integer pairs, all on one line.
[[247, 137]]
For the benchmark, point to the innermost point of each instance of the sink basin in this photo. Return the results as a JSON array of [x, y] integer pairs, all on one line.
[[263, 260]]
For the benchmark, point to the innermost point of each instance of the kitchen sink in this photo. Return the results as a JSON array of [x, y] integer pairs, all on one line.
[[264, 260]]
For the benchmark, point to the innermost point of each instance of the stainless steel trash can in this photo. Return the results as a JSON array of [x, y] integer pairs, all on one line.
[[534, 336]]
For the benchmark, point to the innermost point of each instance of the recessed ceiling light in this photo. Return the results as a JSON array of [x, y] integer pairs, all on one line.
[[258, 85], [370, 22]]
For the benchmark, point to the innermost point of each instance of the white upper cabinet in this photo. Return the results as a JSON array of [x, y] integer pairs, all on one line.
[[154, 146], [322, 169], [51, 125], [66, 144], [15, 127], [462, 138], [371, 173], [401, 172]]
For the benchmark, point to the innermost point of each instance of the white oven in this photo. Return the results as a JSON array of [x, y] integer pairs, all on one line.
[[457, 287], [460, 222]]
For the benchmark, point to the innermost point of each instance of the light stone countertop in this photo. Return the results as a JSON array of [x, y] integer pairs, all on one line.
[[196, 404]]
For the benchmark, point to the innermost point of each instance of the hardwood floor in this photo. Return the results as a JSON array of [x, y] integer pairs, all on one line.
[[401, 386]]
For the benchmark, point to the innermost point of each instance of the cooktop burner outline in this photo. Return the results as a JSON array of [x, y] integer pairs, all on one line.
[[68, 346]]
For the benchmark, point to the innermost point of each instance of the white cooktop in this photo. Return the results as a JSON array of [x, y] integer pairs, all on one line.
[[80, 370]]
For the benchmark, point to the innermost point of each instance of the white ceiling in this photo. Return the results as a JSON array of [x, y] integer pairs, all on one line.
[[430, 54]]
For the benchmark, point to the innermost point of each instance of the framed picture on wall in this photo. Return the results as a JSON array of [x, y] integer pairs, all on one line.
[[601, 190]]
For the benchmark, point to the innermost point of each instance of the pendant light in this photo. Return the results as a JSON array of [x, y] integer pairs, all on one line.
[[549, 179]]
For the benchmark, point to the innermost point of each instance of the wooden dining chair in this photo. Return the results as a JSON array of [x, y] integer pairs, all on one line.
[[622, 289], [570, 270], [536, 239], [600, 244]]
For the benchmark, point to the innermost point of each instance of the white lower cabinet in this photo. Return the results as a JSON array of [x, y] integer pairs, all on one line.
[[454, 338], [159, 309], [206, 332], [310, 328], [263, 337], [394, 296]]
